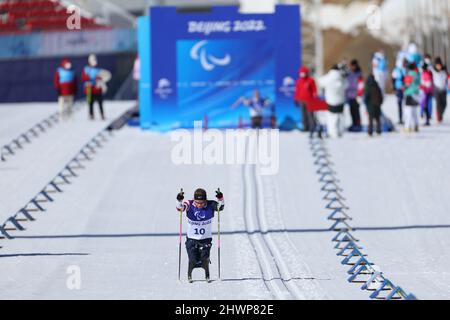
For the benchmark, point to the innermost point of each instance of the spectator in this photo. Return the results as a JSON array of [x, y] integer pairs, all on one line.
[[398, 79], [93, 86], [305, 88], [412, 88], [413, 55], [440, 78], [373, 98], [65, 82], [305, 92], [379, 69], [256, 105], [354, 90], [335, 85], [402, 55], [426, 93], [426, 60]]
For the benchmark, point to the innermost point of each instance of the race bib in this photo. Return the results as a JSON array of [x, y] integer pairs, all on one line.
[[199, 230]]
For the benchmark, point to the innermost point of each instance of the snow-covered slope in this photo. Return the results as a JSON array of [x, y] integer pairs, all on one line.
[[117, 222]]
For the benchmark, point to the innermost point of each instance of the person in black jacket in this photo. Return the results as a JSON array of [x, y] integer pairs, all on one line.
[[373, 98]]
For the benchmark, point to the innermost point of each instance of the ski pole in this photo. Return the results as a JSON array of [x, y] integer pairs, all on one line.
[[218, 234], [180, 239]]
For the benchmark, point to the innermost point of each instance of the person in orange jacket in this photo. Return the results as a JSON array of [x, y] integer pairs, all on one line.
[[65, 83], [93, 89]]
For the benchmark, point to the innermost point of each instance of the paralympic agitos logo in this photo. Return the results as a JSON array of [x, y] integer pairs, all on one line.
[[200, 215], [208, 61]]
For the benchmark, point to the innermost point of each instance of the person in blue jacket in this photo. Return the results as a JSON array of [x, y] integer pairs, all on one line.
[[398, 82]]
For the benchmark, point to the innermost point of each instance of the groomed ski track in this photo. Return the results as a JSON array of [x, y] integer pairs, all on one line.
[[123, 235], [273, 268], [117, 221]]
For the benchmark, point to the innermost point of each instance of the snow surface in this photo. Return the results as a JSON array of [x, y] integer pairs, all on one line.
[[28, 171], [17, 118], [397, 189], [117, 221]]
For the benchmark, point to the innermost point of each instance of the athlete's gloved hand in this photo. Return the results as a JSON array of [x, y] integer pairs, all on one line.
[[180, 196], [219, 195]]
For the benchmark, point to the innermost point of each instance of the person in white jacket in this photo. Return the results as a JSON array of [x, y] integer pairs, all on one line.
[[335, 85], [440, 77], [380, 69]]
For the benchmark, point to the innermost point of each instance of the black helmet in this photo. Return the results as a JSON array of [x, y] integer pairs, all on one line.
[[200, 194]]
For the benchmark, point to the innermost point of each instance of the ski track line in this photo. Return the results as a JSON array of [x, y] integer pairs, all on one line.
[[281, 265], [273, 285], [312, 283], [273, 277]]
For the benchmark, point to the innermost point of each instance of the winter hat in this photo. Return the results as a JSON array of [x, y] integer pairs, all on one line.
[[304, 70], [379, 55], [92, 60], [412, 48], [355, 63], [65, 63], [200, 194]]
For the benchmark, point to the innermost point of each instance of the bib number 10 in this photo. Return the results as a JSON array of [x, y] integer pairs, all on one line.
[[199, 231]]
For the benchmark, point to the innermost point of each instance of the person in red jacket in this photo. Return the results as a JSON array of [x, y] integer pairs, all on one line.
[[92, 86], [305, 94], [305, 90], [426, 93], [65, 82]]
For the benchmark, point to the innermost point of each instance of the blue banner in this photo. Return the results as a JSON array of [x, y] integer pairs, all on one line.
[[145, 64], [202, 64]]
